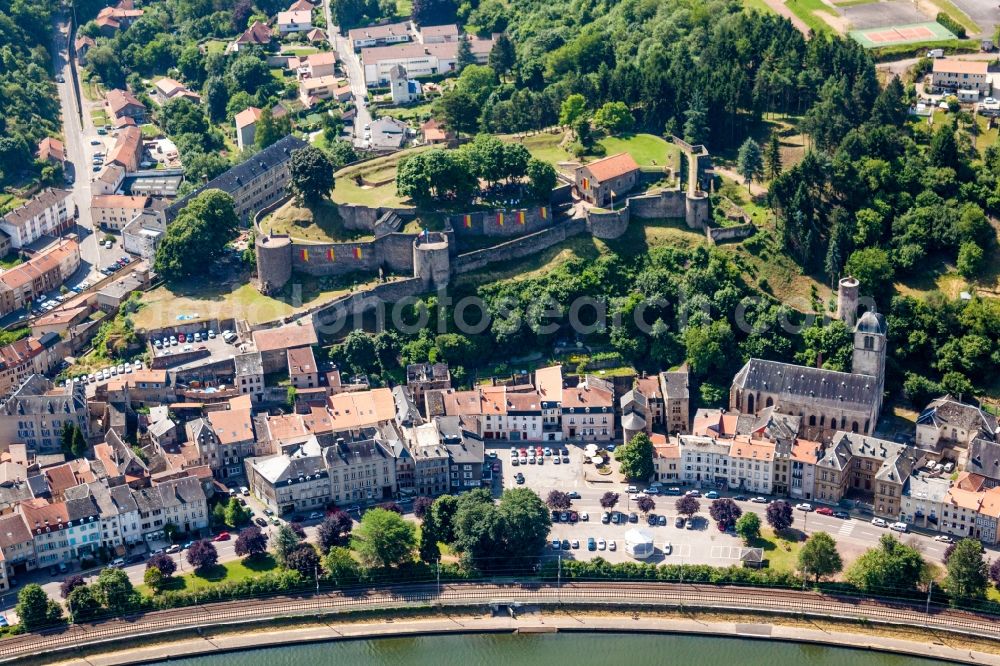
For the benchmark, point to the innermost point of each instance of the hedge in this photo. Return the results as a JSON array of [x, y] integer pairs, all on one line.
[[947, 21]]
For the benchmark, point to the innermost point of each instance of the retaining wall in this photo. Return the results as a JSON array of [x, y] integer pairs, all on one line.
[[520, 247], [332, 317], [721, 234]]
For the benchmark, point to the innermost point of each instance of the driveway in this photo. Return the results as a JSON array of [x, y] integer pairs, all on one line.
[[355, 75], [985, 13]]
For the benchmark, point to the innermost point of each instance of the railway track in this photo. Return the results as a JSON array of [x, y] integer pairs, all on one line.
[[577, 593]]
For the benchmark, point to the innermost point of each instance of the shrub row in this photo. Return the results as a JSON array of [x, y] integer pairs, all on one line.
[[947, 21]]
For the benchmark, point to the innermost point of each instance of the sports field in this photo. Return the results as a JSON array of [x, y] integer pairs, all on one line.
[[902, 34]]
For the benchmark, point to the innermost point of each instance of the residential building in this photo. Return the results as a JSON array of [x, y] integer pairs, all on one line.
[[295, 480], [109, 180], [273, 343], [588, 412], [25, 357], [636, 417], [433, 132], [360, 471], [246, 127], [387, 133], [302, 370], [352, 413], [119, 17], [423, 377], [947, 422], [676, 401], [48, 213], [751, 464], [822, 398], [951, 75], [984, 460], [704, 460], [184, 504], [150, 387], [599, 182], [316, 36], [667, 461], [315, 65], [123, 104], [322, 87], [438, 34], [871, 470], [17, 545], [924, 494], [959, 513], [168, 89], [51, 150], [127, 151], [250, 375], [83, 44], [258, 34], [379, 35], [62, 532], [804, 456], [419, 59], [466, 452], [291, 22], [144, 233], [114, 211], [43, 273], [37, 411], [430, 459], [254, 183], [223, 439], [649, 387]]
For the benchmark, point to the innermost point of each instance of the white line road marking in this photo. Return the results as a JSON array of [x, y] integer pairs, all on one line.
[[846, 529]]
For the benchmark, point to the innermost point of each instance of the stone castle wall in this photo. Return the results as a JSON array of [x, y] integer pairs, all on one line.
[[502, 222], [330, 318], [722, 234], [392, 251], [519, 247]]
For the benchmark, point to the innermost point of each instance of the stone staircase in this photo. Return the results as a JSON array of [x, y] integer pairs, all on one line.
[[389, 222]]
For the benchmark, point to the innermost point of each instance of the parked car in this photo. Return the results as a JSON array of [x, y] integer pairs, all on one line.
[[899, 527], [260, 521], [584, 516], [565, 544], [740, 498], [606, 517], [693, 493], [759, 500], [824, 511], [679, 522], [601, 544], [944, 538], [118, 563], [651, 519], [661, 520], [878, 522], [668, 548], [222, 536], [804, 506], [672, 492], [555, 544], [711, 494], [576, 544], [519, 478], [573, 494], [591, 543], [690, 524], [843, 515], [612, 546]]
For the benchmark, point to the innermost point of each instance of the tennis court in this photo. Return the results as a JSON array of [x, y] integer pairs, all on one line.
[[902, 34]]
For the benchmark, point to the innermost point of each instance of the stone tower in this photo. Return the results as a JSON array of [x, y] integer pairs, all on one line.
[[274, 262], [399, 85], [870, 346], [847, 301]]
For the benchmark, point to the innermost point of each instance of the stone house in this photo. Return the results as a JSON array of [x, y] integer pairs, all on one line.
[[601, 181]]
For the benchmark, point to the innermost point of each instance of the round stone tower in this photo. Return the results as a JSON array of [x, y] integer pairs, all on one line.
[[697, 209], [847, 300], [431, 262], [274, 262]]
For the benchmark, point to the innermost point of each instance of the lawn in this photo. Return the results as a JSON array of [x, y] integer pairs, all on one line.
[[204, 301], [647, 149], [781, 552], [807, 10], [300, 51], [348, 189], [227, 572], [215, 46], [321, 223], [404, 7], [99, 117], [91, 91], [416, 113]]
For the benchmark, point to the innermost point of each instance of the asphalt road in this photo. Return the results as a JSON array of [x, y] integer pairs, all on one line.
[[355, 74]]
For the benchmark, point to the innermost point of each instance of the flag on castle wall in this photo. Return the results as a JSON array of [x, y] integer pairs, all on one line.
[[305, 254], [468, 221], [357, 253], [520, 217], [329, 254], [545, 212], [500, 219]]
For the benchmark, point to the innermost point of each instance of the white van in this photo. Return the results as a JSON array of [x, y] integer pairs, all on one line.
[[898, 527]]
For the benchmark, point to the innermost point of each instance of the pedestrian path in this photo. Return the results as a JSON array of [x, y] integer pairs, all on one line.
[[846, 528]]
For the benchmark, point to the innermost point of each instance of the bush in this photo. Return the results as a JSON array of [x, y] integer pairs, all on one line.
[[950, 23]]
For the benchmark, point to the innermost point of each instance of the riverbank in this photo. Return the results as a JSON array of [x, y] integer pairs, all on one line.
[[854, 636]]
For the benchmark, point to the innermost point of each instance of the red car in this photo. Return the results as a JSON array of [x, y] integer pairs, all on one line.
[[222, 536], [824, 511], [180, 337]]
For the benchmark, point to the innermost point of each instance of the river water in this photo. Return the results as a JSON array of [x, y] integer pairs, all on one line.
[[555, 650]]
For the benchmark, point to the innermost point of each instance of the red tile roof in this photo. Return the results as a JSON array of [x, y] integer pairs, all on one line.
[[611, 167]]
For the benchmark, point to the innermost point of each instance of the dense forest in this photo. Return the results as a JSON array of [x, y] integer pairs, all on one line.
[[29, 108]]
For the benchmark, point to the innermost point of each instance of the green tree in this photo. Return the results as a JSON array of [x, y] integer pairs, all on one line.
[[285, 541], [526, 522], [384, 539], [709, 346], [444, 509], [502, 55], [459, 111], [572, 109], [236, 514], [750, 162], [970, 260], [83, 604], [696, 120], [943, 150], [772, 157], [636, 458], [429, 550], [614, 117], [359, 352], [967, 572], [153, 579], [889, 567], [819, 557], [542, 178], [872, 268], [833, 343], [748, 527], [35, 609], [270, 129], [311, 174], [464, 57], [341, 566], [115, 591], [197, 236]]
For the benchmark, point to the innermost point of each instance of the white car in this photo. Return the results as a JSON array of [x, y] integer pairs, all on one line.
[[584, 516], [601, 544], [556, 544], [612, 546], [899, 527], [878, 522], [804, 506], [668, 548], [113, 371]]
